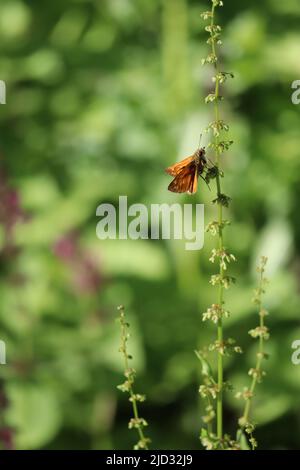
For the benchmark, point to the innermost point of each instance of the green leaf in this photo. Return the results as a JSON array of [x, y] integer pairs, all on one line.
[[242, 440], [206, 369]]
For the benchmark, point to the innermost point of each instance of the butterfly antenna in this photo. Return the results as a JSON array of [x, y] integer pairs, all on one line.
[[200, 138]]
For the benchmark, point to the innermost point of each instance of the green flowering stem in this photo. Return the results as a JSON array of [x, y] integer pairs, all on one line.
[[136, 422], [220, 334], [261, 332], [220, 372], [218, 127]]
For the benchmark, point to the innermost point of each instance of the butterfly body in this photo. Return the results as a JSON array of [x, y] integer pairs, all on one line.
[[187, 172]]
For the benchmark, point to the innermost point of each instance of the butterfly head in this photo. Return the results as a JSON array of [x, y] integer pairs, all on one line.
[[199, 156]]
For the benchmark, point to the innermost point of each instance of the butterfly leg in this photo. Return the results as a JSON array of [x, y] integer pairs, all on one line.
[[205, 182]]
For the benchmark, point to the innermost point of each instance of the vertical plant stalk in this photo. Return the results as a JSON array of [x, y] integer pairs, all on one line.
[[220, 233], [217, 227], [136, 422], [262, 333]]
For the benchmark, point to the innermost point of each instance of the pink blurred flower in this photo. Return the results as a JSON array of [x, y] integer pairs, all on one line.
[[10, 212], [66, 247], [86, 277], [6, 438]]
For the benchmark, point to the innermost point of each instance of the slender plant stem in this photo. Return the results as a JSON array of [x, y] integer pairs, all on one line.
[[216, 313], [220, 236], [260, 354]]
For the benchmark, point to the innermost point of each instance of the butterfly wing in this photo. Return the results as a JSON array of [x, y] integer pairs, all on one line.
[[186, 181], [176, 169], [194, 186]]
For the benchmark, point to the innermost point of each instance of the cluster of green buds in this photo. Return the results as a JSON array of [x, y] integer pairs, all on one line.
[[226, 347], [214, 313], [221, 279], [211, 442], [214, 227], [224, 257]]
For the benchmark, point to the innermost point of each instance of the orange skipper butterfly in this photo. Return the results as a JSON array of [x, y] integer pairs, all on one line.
[[186, 173]]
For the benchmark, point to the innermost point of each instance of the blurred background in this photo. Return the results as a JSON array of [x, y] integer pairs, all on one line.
[[102, 95]]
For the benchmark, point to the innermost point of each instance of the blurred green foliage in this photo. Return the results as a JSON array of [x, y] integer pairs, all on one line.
[[102, 95]]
